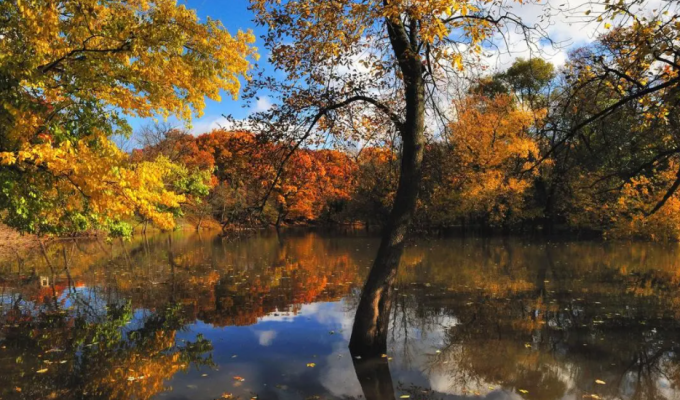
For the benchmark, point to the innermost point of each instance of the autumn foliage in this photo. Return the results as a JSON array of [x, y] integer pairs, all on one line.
[[71, 73]]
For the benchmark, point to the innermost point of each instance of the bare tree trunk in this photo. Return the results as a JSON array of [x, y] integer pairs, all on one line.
[[371, 323]]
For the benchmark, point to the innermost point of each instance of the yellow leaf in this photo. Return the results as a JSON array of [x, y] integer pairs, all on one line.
[[599, 382], [41, 371]]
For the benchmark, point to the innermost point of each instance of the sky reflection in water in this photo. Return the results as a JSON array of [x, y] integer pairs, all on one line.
[[189, 317]]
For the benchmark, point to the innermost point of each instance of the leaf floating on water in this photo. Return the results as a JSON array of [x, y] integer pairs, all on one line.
[[523, 391], [311, 365], [17, 389], [591, 396], [527, 345], [599, 382], [54, 350], [226, 395], [41, 371], [204, 375], [404, 396], [238, 378]]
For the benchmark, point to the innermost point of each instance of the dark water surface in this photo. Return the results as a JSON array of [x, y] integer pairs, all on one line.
[[199, 317]]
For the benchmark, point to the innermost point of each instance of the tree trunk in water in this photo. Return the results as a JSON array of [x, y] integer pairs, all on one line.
[[371, 323], [375, 378]]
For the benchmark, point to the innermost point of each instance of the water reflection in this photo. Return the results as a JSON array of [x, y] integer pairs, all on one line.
[[190, 317]]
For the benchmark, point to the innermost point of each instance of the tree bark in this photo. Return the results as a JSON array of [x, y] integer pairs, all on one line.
[[371, 322]]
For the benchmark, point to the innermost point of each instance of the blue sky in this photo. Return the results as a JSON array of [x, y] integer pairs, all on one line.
[[235, 15]]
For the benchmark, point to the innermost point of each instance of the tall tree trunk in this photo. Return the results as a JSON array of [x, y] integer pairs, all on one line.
[[371, 323]]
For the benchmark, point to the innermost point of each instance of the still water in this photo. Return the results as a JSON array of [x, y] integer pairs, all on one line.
[[201, 317]]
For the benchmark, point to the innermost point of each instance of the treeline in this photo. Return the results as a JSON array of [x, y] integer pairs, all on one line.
[[592, 146], [507, 160]]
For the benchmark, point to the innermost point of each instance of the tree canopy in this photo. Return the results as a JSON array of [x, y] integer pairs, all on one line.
[[71, 71]]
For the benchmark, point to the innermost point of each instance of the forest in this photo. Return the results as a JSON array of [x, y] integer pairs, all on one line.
[[495, 167], [591, 145], [392, 114]]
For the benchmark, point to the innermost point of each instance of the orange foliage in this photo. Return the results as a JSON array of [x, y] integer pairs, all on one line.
[[492, 145]]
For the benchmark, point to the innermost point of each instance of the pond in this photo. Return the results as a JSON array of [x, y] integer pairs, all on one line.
[[188, 316]]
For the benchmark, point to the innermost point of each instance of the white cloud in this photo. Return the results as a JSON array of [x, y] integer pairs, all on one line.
[[207, 124], [211, 122], [265, 338], [339, 377], [263, 104]]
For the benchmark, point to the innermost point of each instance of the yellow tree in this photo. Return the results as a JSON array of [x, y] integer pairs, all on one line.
[[492, 145], [70, 72], [347, 60]]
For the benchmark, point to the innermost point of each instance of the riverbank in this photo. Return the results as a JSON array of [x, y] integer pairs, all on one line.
[[13, 244]]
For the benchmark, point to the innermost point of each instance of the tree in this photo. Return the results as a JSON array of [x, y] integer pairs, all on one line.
[[491, 142], [391, 55], [71, 72], [614, 131]]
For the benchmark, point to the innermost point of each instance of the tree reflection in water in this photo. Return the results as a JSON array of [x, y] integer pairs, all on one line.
[[472, 319], [87, 353]]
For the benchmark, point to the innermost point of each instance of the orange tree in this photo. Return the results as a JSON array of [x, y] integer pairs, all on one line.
[[490, 143]]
